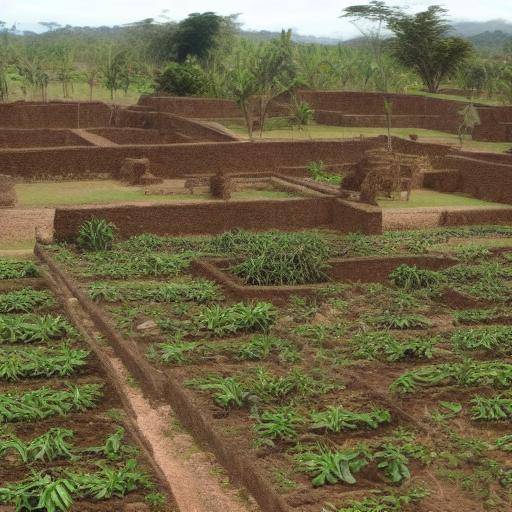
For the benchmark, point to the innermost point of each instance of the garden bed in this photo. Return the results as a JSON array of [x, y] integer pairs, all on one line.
[[371, 269], [253, 380], [66, 435]]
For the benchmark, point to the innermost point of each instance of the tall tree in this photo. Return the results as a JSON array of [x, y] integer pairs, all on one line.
[[371, 20], [196, 35], [422, 43], [275, 72]]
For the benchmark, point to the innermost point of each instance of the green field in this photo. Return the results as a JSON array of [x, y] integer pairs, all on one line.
[[60, 193], [317, 131], [79, 91], [431, 198]]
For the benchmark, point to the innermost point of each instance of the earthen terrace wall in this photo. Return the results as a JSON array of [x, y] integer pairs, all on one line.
[[130, 136], [218, 216], [54, 114], [205, 108], [39, 137], [347, 108], [483, 179], [188, 129], [182, 159]]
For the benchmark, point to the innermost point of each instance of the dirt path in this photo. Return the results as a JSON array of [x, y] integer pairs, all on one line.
[[396, 219], [94, 138], [19, 224], [197, 482]]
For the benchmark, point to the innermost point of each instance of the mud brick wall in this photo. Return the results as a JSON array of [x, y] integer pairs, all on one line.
[[493, 125], [208, 217], [206, 108], [483, 179], [182, 159], [218, 216], [39, 137], [130, 136], [349, 217], [444, 123], [442, 180], [345, 108], [188, 129], [477, 216], [54, 114], [372, 103]]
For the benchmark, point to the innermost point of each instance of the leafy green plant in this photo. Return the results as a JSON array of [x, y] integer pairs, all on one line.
[[385, 503], [30, 329], [468, 373], [290, 263], [270, 388], [45, 492], [238, 317], [24, 300], [39, 492], [381, 345], [113, 447], [393, 462], [156, 501], [16, 269], [176, 353], [332, 466], [336, 419], [504, 443], [491, 339], [261, 346], [18, 363], [228, 391], [497, 408], [96, 235], [391, 320], [317, 172], [447, 410], [278, 424], [470, 253], [110, 482], [45, 402], [198, 291], [477, 316], [121, 265], [412, 277], [49, 446]]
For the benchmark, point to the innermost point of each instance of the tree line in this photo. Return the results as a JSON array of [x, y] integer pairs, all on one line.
[[206, 54]]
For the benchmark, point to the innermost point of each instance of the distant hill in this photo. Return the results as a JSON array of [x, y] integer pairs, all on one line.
[[491, 41], [473, 28], [264, 35]]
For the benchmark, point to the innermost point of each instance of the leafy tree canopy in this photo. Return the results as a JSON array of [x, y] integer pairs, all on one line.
[[196, 35], [422, 43]]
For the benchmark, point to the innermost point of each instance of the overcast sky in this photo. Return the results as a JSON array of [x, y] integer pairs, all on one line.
[[316, 17]]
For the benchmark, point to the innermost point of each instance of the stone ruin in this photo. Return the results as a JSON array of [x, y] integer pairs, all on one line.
[[221, 186], [135, 171], [7, 192], [387, 173]]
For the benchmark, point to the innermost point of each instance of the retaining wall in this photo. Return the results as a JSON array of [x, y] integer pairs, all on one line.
[[213, 217], [206, 108], [484, 179], [182, 159], [39, 137], [56, 114], [188, 129], [131, 136], [347, 108]]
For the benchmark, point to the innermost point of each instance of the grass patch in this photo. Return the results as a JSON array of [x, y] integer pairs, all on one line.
[[60, 193], [431, 198]]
